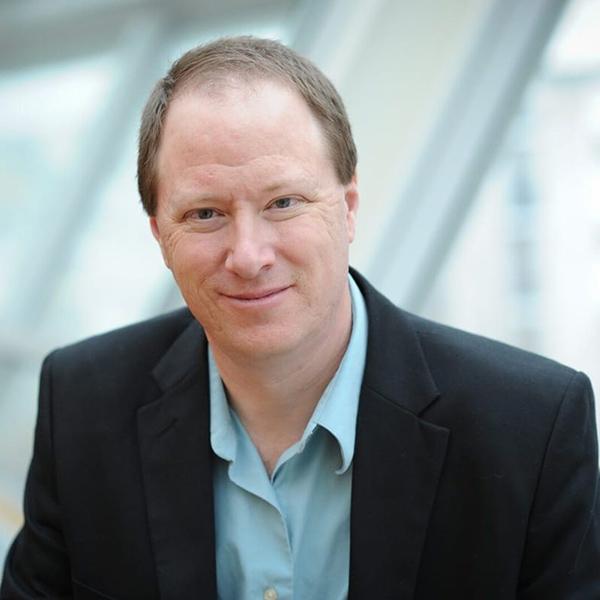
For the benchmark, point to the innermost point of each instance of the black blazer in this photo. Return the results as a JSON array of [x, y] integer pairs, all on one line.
[[474, 476]]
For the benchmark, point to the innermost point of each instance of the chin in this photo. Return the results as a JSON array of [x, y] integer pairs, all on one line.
[[258, 343]]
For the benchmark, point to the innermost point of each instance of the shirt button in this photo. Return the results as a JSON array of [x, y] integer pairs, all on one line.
[[270, 594]]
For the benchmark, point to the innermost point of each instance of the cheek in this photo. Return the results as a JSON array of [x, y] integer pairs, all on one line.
[[191, 258], [324, 228], [169, 243], [339, 225], [318, 250]]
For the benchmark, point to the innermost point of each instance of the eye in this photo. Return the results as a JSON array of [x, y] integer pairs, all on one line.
[[285, 202], [204, 214], [204, 219]]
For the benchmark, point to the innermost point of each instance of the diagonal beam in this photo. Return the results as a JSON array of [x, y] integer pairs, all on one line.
[[441, 188]]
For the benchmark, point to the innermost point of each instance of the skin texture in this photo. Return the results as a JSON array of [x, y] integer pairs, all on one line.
[[255, 227]]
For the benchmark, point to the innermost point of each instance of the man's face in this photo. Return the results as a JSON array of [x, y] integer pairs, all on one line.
[[252, 219]]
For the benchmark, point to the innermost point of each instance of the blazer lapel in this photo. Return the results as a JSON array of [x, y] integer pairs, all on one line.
[[176, 458], [398, 457]]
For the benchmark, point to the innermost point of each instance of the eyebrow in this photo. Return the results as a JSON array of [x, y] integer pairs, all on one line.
[[298, 179], [208, 196], [186, 196], [273, 187]]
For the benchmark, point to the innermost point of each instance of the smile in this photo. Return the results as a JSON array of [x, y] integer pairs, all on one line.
[[258, 297]]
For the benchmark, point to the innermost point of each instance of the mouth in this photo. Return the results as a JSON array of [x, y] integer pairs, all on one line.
[[257, 296]]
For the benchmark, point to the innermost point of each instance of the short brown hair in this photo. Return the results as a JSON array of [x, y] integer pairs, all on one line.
[[249, 58]]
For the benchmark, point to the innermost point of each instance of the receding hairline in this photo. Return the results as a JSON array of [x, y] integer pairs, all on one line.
[[215, 82], [219, 87]]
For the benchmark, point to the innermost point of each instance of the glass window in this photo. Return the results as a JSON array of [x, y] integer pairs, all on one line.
[[526, 268]]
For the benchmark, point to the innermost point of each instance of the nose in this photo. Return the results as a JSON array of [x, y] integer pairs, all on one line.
[[250, 247]]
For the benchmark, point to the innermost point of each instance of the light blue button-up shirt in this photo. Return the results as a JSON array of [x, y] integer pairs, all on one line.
[[288, 536]]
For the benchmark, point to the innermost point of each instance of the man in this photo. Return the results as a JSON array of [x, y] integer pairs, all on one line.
[[292, 434]]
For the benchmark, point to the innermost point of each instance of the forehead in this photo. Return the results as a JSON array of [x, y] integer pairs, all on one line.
[[237, 122]]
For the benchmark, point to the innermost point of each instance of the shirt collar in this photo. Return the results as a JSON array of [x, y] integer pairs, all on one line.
[[338, 406], [222, 433], [337, 409]]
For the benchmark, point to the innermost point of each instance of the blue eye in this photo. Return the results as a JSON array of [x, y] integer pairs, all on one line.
[[283, 202], [205, 213]]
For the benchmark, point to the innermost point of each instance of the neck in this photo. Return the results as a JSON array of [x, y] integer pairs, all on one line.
[[275, 396]]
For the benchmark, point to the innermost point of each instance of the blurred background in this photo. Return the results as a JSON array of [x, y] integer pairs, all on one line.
[[478, 129]]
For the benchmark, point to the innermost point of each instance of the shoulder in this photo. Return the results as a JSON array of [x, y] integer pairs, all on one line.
[[460, 363], [459, 357], [117, 363], [496, 395], [145, 340], [475, 379]]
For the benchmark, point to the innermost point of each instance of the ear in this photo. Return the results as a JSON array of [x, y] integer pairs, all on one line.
[[351, 198], [156, 233]]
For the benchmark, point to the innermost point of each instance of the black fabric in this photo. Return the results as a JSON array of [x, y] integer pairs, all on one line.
[[475, 473]]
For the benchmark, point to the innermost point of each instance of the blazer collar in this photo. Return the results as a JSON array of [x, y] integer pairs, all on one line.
[[396, 367], [398, 456], [176, 463]]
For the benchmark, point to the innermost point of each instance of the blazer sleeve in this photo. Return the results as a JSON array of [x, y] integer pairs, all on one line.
[[562, 554], [37, 564]]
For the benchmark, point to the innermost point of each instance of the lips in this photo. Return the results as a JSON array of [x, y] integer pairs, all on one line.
[[257, 294]]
